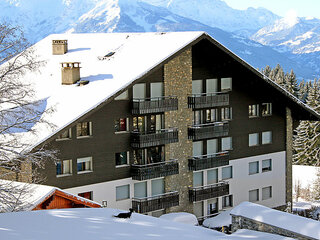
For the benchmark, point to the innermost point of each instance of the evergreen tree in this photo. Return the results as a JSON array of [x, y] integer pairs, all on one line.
[[291, 84]]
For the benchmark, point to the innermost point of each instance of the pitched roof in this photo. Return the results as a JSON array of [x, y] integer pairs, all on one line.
[[133, 56]]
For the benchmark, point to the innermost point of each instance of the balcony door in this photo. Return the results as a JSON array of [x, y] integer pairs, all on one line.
[[156, 90], [212, 85], [139, 91], [196, 86], [156, 123], [139, 124], [212, 146]]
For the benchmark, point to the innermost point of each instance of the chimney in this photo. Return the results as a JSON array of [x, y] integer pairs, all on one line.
[[59, 47], [70, 72]]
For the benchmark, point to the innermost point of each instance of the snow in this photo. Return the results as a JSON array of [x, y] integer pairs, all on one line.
[[294, 223], [181, 217], [306, 175], [99, 223], [223, 219], [301, 206]]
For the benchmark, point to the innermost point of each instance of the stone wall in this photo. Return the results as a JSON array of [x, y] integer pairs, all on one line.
[[178, 82], [289, 147], [240, 222]]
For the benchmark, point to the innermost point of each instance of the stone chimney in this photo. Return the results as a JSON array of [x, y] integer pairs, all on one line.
[[70, 72], [59, 47]]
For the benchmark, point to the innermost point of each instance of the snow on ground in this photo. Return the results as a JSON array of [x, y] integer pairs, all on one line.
[[304, 174], [99, 223], [294, 223], [223, 219], [181, 217], [301, 206]]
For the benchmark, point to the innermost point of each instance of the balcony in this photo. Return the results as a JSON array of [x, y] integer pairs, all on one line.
[[160, 137], [208, 130], [208, 161], [208, 191], [154, 170], [208, 100], [154, 105], [149, 204]]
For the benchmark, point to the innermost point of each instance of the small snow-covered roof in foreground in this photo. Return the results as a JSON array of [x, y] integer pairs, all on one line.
[[26, 196], [291, 222], [182, 217], [223, 219], [135, 54], [99, 223]]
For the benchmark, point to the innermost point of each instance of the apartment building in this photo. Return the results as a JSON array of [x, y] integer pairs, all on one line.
[[165, 122]]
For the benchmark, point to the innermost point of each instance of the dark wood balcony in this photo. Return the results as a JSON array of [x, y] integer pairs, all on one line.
[[149, 204], [208, 130], [154, 105], [208, 161], [154, 170], [208, 100], [208, 191], [161, 137]]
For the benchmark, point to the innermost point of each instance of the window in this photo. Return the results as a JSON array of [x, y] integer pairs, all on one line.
[[212, 146], [226, 143], [197, 117], [212, 176], [87, 195], [226, 172], [226, 113], [266, 165], [253, 139], [84, 129], [157, 187], [198, 209], [156, 89], [65, 135], [121, 125], [140, 190], [266, 193], [123, 192], [266, 109], [227, 201], [64, 167], [122, 96], [254, 195], [197, 148], [139, 124], [139, 91], [226, 84], [84, 164], [212, 85], [253, 168], [266, 137], [197, 179], [211, 115], [212, 206], [254, 110], [122, 158], [196, 86]]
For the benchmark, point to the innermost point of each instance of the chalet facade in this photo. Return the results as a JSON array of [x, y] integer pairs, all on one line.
[[196, 130]]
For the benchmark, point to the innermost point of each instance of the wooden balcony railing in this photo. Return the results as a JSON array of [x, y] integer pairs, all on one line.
[[161, 137], [208, 130], [154, 105], [149, 204], [208, 161], [209, 191], [208, 100], [154, 170]]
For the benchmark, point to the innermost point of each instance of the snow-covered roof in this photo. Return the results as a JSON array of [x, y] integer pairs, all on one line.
[[99, 223], [223, 219], [291, 222], [27, 196], [181, 217]]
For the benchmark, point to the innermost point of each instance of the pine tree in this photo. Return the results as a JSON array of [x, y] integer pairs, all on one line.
[[290, 83]]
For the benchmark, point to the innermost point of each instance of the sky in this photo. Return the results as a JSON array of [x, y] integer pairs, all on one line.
[[301, 8]]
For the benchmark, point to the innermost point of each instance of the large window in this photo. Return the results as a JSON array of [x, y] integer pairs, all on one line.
[[84, 129], [266, 193], [148, 155], [212, 85], [226, 172], [267, 137], [212, 146], [254, 195], [64, 167], [226, 84], [253, 139], [157, 187], [122, 158], [198, 179], [266, 165], [140, 190], [253, 167], [266, 109], [122, 192], [139, 91], [197, 148], [84, 164], [196, 86], [156, 90], [212, 176], [226, 143], [254, 110], [226, 113], [227, 201], [121, 125], [65, 135]]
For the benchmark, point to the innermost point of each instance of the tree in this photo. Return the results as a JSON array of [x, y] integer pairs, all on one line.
[[19, 112]]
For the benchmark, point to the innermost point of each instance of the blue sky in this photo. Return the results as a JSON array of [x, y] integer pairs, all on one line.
[[302, 8]]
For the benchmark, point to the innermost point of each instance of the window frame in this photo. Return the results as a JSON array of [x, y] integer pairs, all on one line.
[[251, 110], [269, 168], [222, 177], [224, 205], [89, 129], [270, 193], [229, 83], [69, 137], [127, 159], [258, 197], [90, 160], [230, 145], [122, 96], [119, 121], [226, 113], [62, 168], [268, 109], [121, 199], [262, 141], [257, 167], [257, 139]]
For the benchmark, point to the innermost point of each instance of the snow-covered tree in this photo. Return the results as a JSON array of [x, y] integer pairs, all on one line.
[[316, 186], [18, 112], [291, 83]]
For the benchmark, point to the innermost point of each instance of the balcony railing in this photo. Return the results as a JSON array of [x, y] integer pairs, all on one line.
[[208, 130], [208, 161], [208, 191], [149, 204], [208, 100], [160, 137], [154, 170], [154, 105]]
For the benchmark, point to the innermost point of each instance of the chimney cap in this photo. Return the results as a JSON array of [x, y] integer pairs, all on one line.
[[70, 64]]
